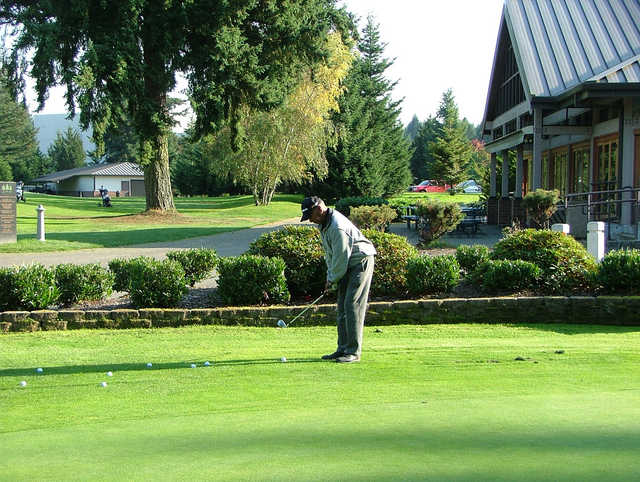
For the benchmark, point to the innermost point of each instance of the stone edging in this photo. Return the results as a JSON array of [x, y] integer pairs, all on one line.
[[608, 310]]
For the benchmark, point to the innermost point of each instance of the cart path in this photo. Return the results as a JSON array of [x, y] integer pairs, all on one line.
[[232, 243]]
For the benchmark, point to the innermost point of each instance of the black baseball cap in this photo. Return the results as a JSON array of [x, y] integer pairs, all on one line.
[[307, 206]]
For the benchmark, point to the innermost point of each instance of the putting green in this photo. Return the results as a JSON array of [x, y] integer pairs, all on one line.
[[448, 402]]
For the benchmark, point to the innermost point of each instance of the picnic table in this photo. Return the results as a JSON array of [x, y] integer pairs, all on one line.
[[473, 217]]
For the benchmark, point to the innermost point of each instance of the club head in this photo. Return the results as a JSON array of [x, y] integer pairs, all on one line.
[[282, 324]]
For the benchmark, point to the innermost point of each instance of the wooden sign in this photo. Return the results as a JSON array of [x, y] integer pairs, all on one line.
[[8, 233]]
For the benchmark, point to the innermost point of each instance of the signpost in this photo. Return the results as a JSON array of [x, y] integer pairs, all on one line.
[[8, 232]]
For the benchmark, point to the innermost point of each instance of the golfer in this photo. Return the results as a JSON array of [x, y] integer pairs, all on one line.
[[349, 257]]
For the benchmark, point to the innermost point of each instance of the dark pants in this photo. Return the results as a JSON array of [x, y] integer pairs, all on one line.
[[353, 294]]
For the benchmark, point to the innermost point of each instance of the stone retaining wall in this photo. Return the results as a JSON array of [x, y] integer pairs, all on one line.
[[608, 310]]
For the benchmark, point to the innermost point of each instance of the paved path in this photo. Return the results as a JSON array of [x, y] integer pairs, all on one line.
[[233, 243]]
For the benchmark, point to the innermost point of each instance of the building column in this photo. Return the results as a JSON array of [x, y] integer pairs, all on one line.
[[517, 211], [626, 158], [504, 204], [492, 202], [536, 182]]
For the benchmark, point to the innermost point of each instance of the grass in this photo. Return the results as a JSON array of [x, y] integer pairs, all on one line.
[[435, 402], [413, 197], [77, 223]]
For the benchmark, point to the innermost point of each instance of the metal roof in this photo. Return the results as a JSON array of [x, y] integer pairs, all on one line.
[[562, 43], [114, 169]]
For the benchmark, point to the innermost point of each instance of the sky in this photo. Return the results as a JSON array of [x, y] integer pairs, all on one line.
[[437, 45]]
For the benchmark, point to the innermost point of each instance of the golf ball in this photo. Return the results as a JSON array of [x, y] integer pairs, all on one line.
[[23, 383], [283, 359], [109, 374], [207, 363], [39, 370], [103, 384], [193, 365], [281, 324], [149, 365]]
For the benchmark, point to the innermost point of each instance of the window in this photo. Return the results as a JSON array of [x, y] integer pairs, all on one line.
[[636, 168], [606, 163], [580, 168], [545, 171], [558, 170]]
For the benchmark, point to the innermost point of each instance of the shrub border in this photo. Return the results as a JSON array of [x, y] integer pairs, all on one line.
[[605, 310]]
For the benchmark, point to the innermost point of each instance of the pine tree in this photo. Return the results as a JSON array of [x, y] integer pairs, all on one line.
[[67, 151], [411, 131], [422, 160], [371, 157]]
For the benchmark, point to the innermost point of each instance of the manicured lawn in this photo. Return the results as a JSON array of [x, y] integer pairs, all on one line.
[[435, 402], [76, 223], [412, 197]]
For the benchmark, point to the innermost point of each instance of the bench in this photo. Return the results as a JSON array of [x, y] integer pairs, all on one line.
[[410, 216], [472, 219]]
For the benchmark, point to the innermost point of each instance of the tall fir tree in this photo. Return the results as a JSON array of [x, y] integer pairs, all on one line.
[[67, 151], [411, 131], [451, 149], [422, 160], [371, 156]]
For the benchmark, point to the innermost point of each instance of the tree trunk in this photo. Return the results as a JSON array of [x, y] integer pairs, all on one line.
[[157, 178]]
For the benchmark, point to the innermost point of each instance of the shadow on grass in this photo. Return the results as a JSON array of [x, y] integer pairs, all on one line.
[[132, 367], [576, 329]]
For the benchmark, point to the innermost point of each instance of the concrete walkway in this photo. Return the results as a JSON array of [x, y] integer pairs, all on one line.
[[233, 243]]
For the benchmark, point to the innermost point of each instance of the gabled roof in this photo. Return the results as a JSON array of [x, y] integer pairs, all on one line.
[[113, 169], [560, 44]]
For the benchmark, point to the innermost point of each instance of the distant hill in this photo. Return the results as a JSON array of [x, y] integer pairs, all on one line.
[[49, 125]]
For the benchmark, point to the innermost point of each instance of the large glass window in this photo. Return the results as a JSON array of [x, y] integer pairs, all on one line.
[[545, 170], [558, 170], [606, 163], [580, 168]]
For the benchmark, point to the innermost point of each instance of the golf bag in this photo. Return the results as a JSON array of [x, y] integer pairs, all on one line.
[[106, 199], [20, 193]]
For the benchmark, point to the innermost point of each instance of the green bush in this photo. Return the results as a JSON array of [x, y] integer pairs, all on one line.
[[197, 263], [508, 275], [34, 287], [252, 280], [470, 256], [440, 218], [344, 205], [83, 282], [566, 264], [430, 275], [8, 298], [390, 271], [372, 217], [301, 249], [619, 272], [541, 205], [156, 284], [120, 269]]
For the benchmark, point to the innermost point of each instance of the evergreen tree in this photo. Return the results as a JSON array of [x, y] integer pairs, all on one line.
[[422, 160], [371, 156], [18, 144], [67, 151], [5, 171], [451, 150], [411, 131]]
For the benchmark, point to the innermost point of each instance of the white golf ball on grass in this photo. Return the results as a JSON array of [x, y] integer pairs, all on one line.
[[193, 365], [23, 383], [283, 359], [103, 384], [149, 365], [207, 363], [39, 370], [109, 374]]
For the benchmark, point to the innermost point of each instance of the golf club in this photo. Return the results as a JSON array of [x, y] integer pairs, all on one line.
[[282, 324]]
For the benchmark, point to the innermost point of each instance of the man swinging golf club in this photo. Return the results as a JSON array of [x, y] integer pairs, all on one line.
[[349, 257]]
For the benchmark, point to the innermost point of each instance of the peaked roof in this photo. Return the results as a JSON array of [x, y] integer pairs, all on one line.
[[113, 169], [560, 44]]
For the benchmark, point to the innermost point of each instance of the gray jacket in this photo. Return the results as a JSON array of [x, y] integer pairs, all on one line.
[[344, 245]]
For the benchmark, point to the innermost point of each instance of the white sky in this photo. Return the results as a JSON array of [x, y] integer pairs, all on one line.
[[438, 44]]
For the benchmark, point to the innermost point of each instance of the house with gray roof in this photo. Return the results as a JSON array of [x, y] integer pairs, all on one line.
[[564, 101], [120, 179]]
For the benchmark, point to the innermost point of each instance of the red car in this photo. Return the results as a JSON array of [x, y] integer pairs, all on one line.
[[428, 186]]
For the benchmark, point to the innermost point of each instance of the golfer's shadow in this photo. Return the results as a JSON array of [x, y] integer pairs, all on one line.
[[125, 367]]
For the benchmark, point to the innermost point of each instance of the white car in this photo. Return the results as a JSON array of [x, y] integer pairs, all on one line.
[[469, 187]]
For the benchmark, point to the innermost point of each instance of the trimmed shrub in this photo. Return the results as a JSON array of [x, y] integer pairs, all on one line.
[[197, 263], [34, 287], [541, 205], [252, 280], [372, 217], [344, 205], [301, 249], [430, 275], [440, 218], [120, 269], [469, 257], [85, 282], [156, 284], [508, 275], [390, 271], [8, 298], [619, 272], [566, 264]]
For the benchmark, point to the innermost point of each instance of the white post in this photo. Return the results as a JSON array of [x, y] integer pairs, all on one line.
[[40, 210], [561, 228], [595, 239]]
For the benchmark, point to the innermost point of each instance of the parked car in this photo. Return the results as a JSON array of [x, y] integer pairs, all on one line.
[[428, 186], [469, 187]]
